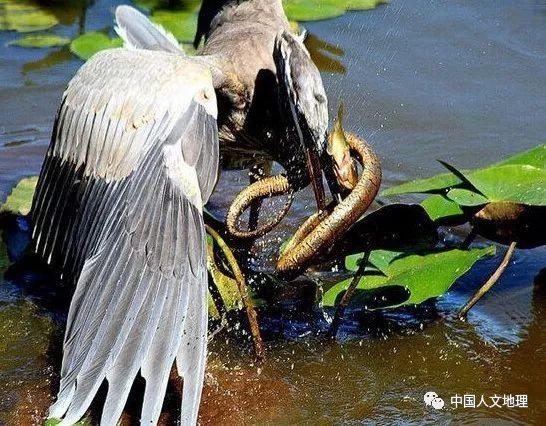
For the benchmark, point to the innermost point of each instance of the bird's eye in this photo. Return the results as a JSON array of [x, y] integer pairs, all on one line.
[[320, 98]]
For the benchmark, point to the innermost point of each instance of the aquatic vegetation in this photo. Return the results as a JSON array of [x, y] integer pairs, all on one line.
[[179, 18], [404, 278], [25, 16], [505, 202], [90, 43], [314, 10], [40, 41], [181, 24], [19, 201]]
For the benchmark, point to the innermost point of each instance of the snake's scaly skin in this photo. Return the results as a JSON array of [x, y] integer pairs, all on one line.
[[322, 229]]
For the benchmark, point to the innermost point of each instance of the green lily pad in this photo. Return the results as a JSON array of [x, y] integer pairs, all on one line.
[[417, 277], [395, 227], [19, 201], [90, 43], [435, 184], [466, 197], [312, 10], [440, 183], [315, 10], [441, 209], [40, 41], [25, 16], [516, 183], [182, 24], [535, 157], [363, 4], [379, 259]]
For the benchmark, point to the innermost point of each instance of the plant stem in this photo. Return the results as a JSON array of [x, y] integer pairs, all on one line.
[[490, 282], [243, 290], [340, 310]]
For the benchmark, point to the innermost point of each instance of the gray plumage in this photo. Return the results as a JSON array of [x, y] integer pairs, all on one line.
[[252, 121], [133, 158]]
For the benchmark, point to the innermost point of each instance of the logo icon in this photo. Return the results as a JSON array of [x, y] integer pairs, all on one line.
[[432, 399]]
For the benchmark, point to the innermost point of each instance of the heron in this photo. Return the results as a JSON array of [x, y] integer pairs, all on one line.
[[133, 158]]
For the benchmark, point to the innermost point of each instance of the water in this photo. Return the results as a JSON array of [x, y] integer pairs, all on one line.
[[456, 80]]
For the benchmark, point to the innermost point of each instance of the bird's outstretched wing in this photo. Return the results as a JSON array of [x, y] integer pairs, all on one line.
[[138, 32], [133, 158]]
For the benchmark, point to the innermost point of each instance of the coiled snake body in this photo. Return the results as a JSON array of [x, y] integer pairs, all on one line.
[[323, 228]]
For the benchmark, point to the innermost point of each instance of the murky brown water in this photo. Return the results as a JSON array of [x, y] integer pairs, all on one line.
[[457, 80]]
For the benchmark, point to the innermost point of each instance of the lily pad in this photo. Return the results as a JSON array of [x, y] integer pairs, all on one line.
[[182, 24], [440, 183], [517, 183], [535, 157], [19, 201], [443, 210], [40, 41], [393, 227], [315, 10], [380, 259], [25, 16], [416, 277], [466, 197], [312, 10], [363, 4], [90, 43]]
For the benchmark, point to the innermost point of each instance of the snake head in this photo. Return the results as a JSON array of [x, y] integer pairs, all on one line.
[[338, 148]]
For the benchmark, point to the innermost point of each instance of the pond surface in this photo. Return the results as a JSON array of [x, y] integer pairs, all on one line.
[[424, 79]]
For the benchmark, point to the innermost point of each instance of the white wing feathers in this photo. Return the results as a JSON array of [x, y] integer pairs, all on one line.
[[133, 157], [138, 32]]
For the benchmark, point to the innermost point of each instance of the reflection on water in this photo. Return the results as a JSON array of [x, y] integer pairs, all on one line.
[[462, 81]]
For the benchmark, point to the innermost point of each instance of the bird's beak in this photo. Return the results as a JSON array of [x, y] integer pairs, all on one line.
[[314, 168]]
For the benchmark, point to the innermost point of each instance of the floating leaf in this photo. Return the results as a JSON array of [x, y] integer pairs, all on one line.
[[435, 184], [51, 59], [438, 184], [443, 210], [466, 197], [516, 183], [413, 279], [362, 4], [182, 24], [25, 16], [90, 43], [19, 201], [312, 10], [40, 41], [535, 157], [380, 259], [392, 227]]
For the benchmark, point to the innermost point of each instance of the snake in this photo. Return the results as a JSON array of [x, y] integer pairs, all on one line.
[[323, 228]]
